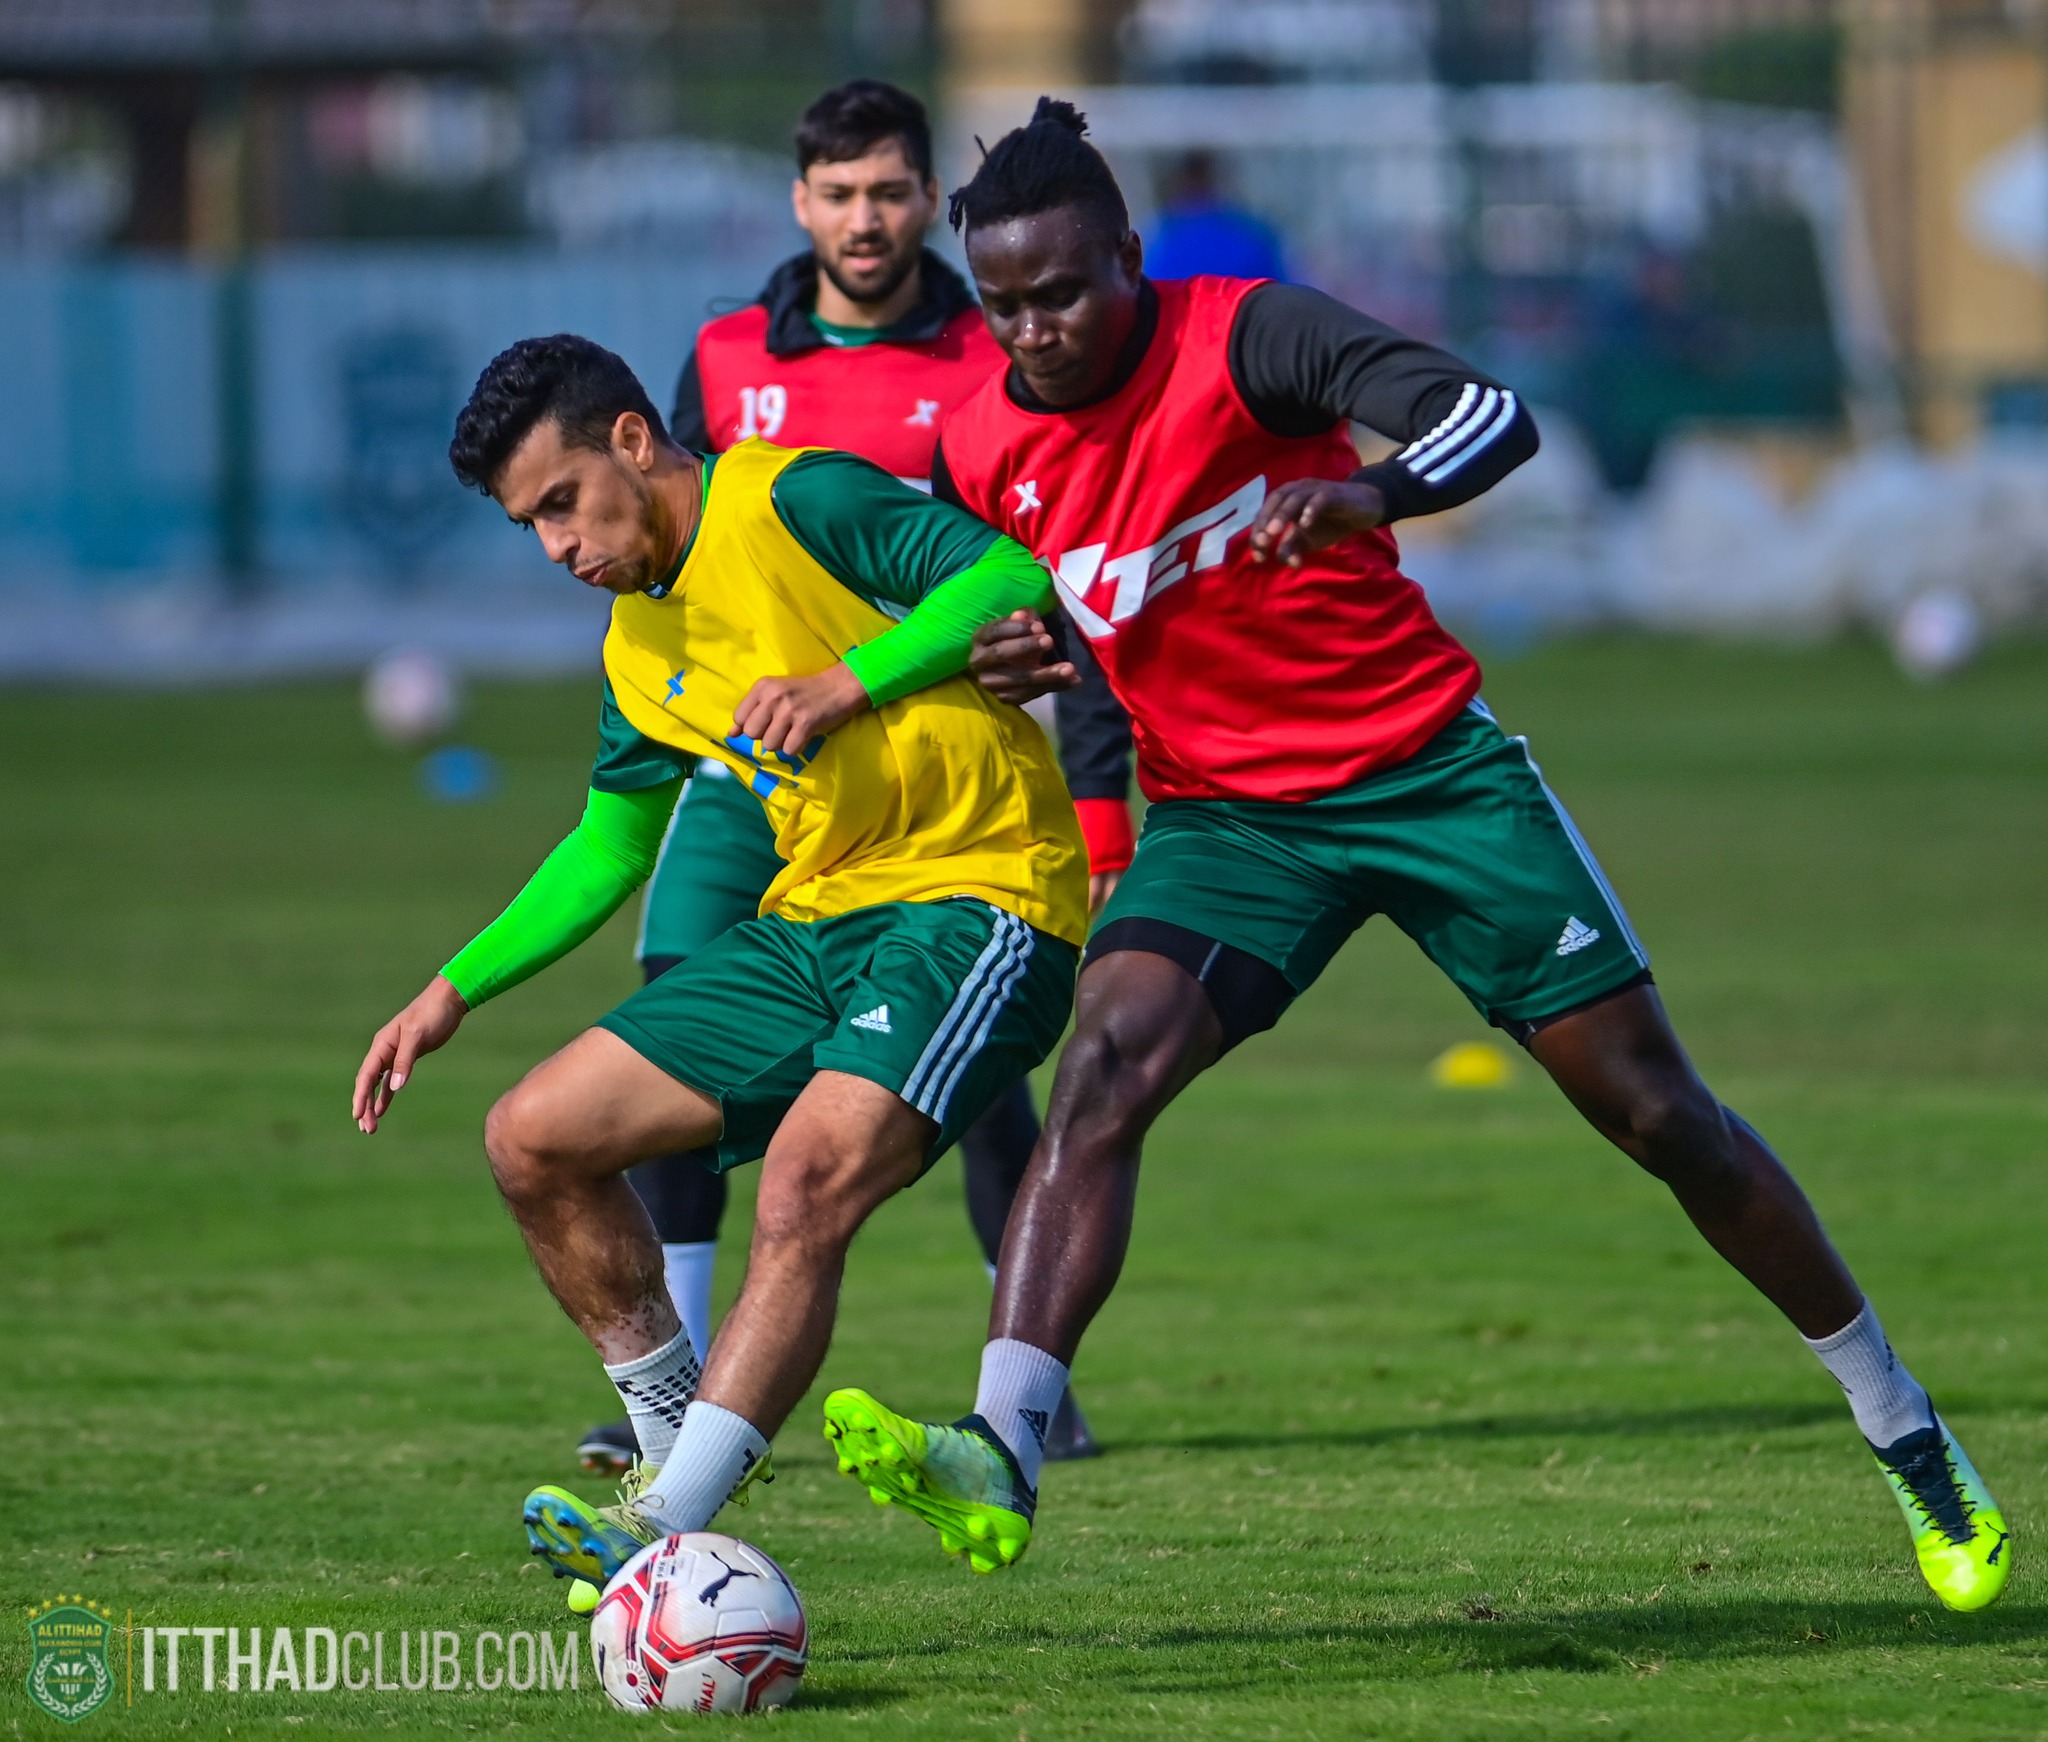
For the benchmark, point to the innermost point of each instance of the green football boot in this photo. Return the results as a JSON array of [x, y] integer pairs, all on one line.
[[961, 1480], [1958, 1532], [585, 1542]]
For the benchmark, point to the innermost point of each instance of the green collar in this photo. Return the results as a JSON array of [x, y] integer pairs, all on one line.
[[849, 338], [662, 588]]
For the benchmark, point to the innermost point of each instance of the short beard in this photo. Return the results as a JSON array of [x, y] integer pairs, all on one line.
[[888, 287], [658, 526]]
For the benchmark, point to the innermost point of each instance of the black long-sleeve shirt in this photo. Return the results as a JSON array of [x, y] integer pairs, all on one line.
[[1302, 360], [1094, 730]]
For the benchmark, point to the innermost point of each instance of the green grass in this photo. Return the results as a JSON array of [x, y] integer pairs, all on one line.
[[1428, 1416]]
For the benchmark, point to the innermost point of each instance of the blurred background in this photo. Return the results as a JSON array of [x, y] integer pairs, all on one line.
[[1775, 276], [1775, 273]]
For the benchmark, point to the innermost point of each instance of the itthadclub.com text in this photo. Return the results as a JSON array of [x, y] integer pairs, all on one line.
[[323, 1660]]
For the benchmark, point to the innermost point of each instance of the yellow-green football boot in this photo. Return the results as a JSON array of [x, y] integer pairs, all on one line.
[[583, 1595], [585, 1542], [961, 1480], [1958, 1532]]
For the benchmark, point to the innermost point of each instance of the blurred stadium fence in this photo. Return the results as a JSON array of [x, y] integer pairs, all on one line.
[[122, 507], [1531, 223], [232, 461]]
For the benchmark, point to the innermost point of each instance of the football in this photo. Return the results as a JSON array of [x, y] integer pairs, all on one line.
[[699, 1623], [411, 697]]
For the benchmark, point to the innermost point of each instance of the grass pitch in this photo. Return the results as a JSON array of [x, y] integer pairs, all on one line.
[[1428, 1416]]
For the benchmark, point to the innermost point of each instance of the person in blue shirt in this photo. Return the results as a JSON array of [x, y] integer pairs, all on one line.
[[1198, 231]]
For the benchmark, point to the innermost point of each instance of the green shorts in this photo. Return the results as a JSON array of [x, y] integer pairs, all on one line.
[[716, 862], [945, 1003], [1462, 846]]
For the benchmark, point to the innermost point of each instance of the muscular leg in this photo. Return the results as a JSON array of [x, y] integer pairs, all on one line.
[[559, 1144], [845, 1146], [996, 1149], [1622, 1066], [1144, 1030], [560, 1141]]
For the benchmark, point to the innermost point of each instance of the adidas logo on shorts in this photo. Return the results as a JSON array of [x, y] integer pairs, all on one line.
[[1577, 934], [876, 1021]]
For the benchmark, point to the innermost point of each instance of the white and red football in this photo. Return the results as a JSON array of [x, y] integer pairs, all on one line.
[[699, 1623]]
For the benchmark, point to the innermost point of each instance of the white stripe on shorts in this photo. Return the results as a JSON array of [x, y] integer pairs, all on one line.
[[964, 1029], [1592, 865]]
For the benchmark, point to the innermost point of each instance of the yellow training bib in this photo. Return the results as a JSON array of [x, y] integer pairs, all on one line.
[[942, 792]]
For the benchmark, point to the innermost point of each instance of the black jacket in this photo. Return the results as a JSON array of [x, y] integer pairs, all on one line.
[[789, 296]]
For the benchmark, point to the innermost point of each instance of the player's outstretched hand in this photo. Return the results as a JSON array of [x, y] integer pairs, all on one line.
[[1311, 513], [786, 713], [424, 1024], [1009, 659]]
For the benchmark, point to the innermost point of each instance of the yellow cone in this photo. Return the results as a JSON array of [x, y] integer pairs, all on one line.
[[1472, 1064]]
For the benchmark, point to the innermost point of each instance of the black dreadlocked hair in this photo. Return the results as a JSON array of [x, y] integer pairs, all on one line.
[[1038, 167]]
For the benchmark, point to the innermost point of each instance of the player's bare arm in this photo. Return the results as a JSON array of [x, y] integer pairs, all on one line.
[[425, 1025]]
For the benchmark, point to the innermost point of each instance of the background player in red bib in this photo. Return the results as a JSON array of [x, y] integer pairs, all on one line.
[[1315, 753], [864, 342]]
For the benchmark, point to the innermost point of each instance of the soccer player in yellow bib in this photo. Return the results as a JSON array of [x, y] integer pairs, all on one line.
[[805, 619]]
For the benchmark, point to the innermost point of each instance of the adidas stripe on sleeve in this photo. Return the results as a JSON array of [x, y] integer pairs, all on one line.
[[1302, 360]]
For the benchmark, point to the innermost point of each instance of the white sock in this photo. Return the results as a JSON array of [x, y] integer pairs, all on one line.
[[1888, 1402], [1021, 1386], [713, 1451], [688, 1266], [656, 1389]]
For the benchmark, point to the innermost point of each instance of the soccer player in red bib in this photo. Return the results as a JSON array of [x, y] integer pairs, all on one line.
[[1315, 752], [863, 342]]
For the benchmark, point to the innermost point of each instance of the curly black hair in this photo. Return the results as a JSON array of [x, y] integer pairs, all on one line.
[[574, 382], [1034, 168]]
